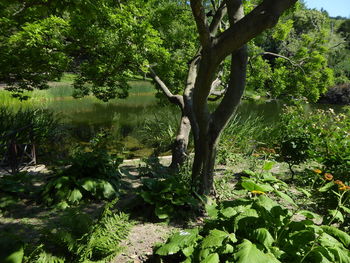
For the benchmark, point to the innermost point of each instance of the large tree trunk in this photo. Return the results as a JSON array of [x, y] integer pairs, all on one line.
[[213, 124]]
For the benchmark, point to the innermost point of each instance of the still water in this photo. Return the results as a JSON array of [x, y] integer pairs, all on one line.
[[125, 118]]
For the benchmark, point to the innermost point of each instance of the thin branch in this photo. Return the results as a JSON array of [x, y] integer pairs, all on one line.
[[213, 4], [217, 18], [201, 21], [293, 63], [177, 99], [340, 43]]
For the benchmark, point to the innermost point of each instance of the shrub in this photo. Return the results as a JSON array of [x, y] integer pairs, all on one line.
[[91, 175], [322, 135], [293, 137]]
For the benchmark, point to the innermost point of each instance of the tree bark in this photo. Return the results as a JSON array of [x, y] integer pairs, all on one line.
[[179, 149]]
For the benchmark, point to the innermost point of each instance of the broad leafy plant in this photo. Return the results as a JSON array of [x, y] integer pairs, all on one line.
[[257, 228], [169, 194], [92, 175]]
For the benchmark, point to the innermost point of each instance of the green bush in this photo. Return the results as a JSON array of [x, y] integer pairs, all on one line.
[[321, 135], [91, 175], [293, 137]]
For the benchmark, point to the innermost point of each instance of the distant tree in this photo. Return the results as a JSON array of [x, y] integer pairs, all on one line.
[[291, 60], [344, 30]]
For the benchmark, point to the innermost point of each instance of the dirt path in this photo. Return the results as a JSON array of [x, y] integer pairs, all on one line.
[[141, 240]]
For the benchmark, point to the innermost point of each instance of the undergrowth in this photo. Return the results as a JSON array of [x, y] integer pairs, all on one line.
[[265, 223], [77, 237]]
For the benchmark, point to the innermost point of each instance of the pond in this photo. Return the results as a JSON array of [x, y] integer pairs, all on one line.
[[125, 119]]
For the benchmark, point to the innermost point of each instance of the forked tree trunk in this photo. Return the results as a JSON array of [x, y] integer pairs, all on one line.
[[206, 126], [217, 121]]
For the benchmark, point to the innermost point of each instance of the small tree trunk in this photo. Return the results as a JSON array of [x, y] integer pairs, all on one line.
[[205, 155], [179, 151]]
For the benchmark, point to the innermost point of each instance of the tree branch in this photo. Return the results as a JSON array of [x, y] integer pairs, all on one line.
[[234, 91], [293, 63], [201, 21], [264, 16], [217, 18], [176, 99], [235, 10]]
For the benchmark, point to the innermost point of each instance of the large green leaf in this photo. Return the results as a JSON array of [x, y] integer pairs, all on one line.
[[212, 258], [326, 240], [216, 237], [163, 212], [268, 166], [322, 255], [310, 215], [252, 186], [263, 236], [229, 212], [107, 189], [266, 202], [75, 196], [341, 235], [336, 214], [342, 255], [89, 185], [147, 197], [212, 210], [211, 207], [249, 253], [326, 187], [302, 237], [285, 197], [188, 251], [15, 257], [179, 241]]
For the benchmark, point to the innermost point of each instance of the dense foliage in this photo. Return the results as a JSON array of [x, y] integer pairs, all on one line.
[[256, 228], [101, 41], [106, 42], [322, 135]]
